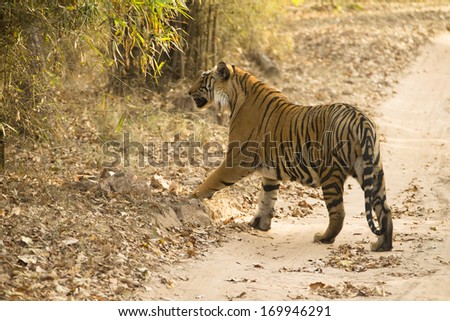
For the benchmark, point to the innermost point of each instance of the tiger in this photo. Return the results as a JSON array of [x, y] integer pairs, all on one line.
[[318, 146]]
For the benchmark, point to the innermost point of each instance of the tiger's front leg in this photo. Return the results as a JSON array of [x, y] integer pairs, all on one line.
[[222, 177], [266, 206]]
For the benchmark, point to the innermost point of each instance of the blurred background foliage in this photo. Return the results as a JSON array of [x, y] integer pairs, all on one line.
[[130, 43], [41, 41]]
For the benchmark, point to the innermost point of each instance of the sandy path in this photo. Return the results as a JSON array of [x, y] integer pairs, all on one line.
[[282, 263]]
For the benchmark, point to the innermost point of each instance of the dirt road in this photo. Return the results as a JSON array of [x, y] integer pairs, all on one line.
[[285, 264]]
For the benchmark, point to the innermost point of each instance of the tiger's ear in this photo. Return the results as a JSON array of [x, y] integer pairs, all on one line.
[[222, 72]]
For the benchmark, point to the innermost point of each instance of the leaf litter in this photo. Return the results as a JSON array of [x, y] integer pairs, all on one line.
[[346, 290]]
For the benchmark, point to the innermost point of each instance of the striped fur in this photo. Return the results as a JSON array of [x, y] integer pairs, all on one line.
[[318, 146]]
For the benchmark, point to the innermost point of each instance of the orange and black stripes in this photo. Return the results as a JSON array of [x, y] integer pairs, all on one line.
[[315, 145]]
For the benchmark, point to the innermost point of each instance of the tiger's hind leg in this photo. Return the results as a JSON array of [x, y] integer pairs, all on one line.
[[384, 216], [266, 206], [332, 193]]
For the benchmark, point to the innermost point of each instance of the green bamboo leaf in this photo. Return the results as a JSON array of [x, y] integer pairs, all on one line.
[[121, 122], [297, 2]]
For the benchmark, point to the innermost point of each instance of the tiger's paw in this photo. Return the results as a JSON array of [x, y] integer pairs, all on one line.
[[320, 238], [381, 245], [201, 195], [261, 223]]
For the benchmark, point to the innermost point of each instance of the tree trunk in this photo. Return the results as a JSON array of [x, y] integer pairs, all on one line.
[[267, 65], [2, 156]]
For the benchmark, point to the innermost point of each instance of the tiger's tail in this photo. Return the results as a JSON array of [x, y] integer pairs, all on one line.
[[367, 140]]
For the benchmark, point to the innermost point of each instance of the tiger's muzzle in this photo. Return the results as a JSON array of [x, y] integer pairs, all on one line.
[[200, 101]]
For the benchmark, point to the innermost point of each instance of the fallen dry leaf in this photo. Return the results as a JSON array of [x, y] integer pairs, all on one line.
[[28, 259], [159, 181], [26, 240], [317, 285], [242, 280], [239, 296], [70, 241]]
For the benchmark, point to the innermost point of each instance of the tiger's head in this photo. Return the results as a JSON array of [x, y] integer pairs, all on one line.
[[212, 87]]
